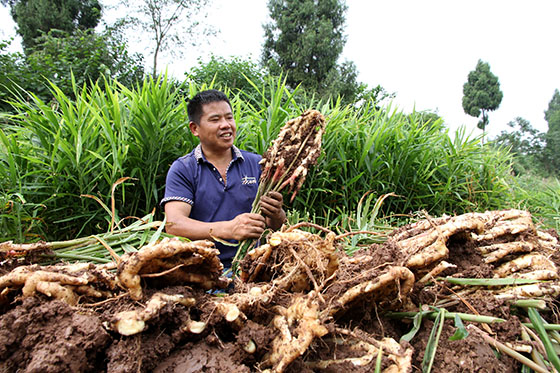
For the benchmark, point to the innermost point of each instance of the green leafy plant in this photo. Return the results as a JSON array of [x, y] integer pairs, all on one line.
[[59, 150]]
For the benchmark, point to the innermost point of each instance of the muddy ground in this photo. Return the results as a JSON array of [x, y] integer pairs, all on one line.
[[39, 334]]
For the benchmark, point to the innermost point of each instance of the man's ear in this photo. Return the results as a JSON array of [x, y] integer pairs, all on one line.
[[194, 128]]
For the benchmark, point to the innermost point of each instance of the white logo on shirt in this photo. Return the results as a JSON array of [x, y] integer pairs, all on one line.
[[248, 180]]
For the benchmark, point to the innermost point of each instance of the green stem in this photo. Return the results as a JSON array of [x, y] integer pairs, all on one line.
[[378, 360], [489, 281], [508, 351], [433, 340], [535, 303], [537, 357], [546, 326], [538, 323], [448, 315], [83, 257]]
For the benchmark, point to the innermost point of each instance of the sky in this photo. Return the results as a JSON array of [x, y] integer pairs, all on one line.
[[422, 50]]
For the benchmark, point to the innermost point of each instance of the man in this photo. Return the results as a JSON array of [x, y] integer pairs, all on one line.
[[209, 192]]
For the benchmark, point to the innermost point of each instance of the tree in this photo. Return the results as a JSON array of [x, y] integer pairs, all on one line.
[[481, 93], [37, 17], [304, 40], [171, 24], [342, 81], [85, 55], [526, 143], [59, 58], [233, 73], [552, 149]]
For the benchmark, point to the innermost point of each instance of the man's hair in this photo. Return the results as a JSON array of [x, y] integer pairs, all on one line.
[[194, 105]]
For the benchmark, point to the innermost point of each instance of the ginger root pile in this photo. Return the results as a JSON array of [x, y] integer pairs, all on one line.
[[172, 261], [300, 288], [507, 240]]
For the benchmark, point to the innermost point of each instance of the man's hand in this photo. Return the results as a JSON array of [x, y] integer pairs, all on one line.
[[271, 208], [247, 226], [242, 227]]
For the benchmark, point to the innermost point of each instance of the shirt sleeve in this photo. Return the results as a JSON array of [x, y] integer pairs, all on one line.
[[179, 183]]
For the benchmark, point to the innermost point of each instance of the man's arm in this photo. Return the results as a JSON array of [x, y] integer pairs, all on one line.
[[241, 227], [271, 208]]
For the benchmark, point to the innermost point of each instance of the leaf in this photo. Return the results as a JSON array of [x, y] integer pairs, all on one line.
[[378, 360], [156, 236], [461, 332], [538, 323], [431, 346], [416, 323]]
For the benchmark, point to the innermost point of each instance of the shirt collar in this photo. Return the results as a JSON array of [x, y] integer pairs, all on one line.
[[201, 158]]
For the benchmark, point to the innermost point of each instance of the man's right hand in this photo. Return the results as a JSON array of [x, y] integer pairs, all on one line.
[[247, 225], [244, 226]]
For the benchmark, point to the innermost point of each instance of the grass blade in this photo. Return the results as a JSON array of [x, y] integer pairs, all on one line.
[[416, 323], [489, 281], [538, 323], [378, 360], [431, 346]]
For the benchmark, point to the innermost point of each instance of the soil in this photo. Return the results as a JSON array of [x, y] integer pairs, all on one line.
[[471, 354], [50, 336], [42, 335]]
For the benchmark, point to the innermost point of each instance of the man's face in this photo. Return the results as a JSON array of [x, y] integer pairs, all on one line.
[[216, 130]]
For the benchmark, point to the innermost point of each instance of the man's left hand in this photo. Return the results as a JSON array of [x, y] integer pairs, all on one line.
[[271, 209]]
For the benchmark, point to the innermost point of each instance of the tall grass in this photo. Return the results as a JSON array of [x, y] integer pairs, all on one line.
[[262, 115], [539, 195], [59, 151], [54, 153], [386, 151]]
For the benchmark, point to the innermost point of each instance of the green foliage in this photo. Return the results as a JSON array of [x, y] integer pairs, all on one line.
[[235, 74], [53, 152], [390, 152], [262, 116], [61, 58], [552, 149], [37, 17], [57, 152], [382, 151], [526, 144], [20, 220], [540, 196], [481, 93], [304, 41], [158, 133], [364, 219], [13, 71], [85, 55]]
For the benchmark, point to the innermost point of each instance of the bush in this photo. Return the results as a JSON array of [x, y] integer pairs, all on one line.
[[233, 74]]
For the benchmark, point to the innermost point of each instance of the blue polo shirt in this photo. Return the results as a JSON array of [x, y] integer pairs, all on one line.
[[194, 180]]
